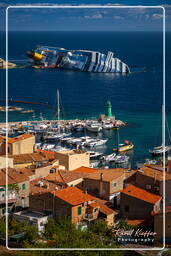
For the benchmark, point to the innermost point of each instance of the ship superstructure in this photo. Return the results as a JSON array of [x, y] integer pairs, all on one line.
[[83, 60]]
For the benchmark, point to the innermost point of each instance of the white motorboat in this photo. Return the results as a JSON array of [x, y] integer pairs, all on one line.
[[94, 154], [93, 126], [95, 142], [107, 125], [109, 158], [48, 146], [156, 151], [119, 159], [151, 161], [53, 137]]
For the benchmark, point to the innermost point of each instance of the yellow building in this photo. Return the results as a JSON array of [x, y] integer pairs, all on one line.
[[9, 162], [22, 144], [73, 159]]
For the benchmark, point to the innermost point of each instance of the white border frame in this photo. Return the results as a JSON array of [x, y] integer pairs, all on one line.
[[163, 125]]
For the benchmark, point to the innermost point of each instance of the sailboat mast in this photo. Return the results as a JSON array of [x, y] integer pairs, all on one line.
[[58, 104], [117, 140]]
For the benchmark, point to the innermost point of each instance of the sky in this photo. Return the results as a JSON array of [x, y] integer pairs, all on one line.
[[93, 19]]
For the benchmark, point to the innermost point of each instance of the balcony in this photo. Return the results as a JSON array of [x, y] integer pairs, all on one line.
[[89, 216], [12, 196]]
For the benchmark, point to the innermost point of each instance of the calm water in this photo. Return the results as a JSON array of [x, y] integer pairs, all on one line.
[[136, 98]]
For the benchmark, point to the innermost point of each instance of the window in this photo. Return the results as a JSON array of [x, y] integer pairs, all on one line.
[[23, 186], [126, 208], [23, 203], [79, 210], [115, 184]]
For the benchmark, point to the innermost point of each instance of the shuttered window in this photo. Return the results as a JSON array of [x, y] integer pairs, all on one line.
[[79, 210]]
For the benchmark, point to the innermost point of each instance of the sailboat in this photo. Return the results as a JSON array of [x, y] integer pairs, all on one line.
[[162, 149], [127, 145]]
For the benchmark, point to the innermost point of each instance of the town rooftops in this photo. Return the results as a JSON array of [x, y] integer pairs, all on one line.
[[16, 139], [85, 170], [141, 194], [33, 157], [73, 196], [41, 186], [106, 175], [97, 174], [154, 173], [14, 176], [62, 176]]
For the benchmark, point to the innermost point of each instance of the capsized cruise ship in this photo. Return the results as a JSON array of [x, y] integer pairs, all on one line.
[[82, 60]]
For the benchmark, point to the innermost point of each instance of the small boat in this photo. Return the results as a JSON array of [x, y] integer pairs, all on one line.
[[78, 128], [107, 125], [95, 143], [48, 146], [127, 145], [53, 137], [94, 164], [94, 154], [159, 150], [109, 158], [93, 127], [151, 161], [119, 159]]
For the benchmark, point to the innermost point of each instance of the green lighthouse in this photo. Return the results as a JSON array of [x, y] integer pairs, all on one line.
[[108, 109]]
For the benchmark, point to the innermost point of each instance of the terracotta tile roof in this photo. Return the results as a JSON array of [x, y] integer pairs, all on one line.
[[141, 194], [35, 188], [94, 205], [33, 157], [106, 175], [14, 176], [106, 210], [85, 170], [73, 196], [154, 173], [26, 171], [135, 222], [63, 176], [16, 139]]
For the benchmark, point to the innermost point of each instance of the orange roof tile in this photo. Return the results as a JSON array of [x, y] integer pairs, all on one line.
[[94, 205], [14, 176], [154, 173], [16, 139], [95, 174], [135, 222], [84, 169], [73, 196], [35, 188], [106, 210], [106, 175], [33, 157], [141, 194], [63, 176]]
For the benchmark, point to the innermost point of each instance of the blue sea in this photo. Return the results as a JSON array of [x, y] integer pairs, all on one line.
[[136, 98]]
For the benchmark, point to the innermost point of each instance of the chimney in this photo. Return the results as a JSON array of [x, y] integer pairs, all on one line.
[[101, 176], [101, 185]]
